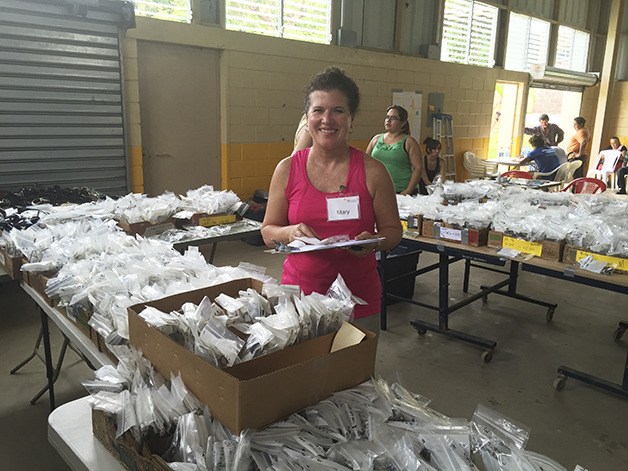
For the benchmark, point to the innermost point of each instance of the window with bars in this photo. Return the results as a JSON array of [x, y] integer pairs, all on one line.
[[469, 32], [572, 49], [292, 19], [172, 10], [528, 42]]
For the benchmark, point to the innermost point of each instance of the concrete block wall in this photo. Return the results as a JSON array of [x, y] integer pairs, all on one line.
[[264, 91], [617, 116], [261, 98]]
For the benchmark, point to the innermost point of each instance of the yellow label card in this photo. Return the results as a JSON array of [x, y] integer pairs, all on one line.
[[523, 246], [622, 263], [216, 220]]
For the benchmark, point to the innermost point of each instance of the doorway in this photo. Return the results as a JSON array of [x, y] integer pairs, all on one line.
[[506, 103], [562, 106]]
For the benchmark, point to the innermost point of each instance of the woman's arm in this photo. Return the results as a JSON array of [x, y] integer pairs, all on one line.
[[414, 153], [424, 178], [275, 226], [443, 168], [304, 140], [371, 145], [387, 221], [583, 140]]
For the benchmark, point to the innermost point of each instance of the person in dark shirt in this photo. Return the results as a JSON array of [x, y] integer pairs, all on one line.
[[543, 156], [550, 132], [621, 168]]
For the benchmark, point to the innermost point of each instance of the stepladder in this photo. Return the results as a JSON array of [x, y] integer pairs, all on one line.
[[444, 131]]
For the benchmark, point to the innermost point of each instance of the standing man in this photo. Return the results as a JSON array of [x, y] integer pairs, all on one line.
[[577, 147], [550, 132]]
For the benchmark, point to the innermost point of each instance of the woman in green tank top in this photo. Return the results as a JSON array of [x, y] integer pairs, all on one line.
[[398, 151]]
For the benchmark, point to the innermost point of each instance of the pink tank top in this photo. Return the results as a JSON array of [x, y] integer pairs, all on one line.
[[315, 272]]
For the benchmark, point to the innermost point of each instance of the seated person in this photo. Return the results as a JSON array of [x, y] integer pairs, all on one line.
[[615, 144], [622, 173], [433, 164], [543, 156], [560, 152]]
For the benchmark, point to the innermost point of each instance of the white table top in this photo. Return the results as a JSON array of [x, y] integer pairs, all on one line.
[[505, 161], [70, 433]]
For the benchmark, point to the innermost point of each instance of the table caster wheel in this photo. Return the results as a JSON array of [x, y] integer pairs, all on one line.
[[487, 356], [421, 331], [619, 333], [559, 382], [485, 299], [550, 314]]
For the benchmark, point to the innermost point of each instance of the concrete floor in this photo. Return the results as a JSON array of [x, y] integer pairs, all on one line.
[[577, 426]]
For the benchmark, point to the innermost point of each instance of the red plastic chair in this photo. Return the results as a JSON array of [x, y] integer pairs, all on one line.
[[517, 174], [586, 185]]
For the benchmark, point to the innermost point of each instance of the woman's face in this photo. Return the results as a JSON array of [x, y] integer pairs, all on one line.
[[329, 119], [392, 121], [435, 151]]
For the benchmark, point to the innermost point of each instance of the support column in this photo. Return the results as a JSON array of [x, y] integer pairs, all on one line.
[[607, 79]]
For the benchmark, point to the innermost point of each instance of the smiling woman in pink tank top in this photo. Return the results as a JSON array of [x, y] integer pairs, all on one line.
[[332, 189]]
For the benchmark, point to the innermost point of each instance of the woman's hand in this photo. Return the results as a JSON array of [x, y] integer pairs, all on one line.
[[363, 250], [300, 230]]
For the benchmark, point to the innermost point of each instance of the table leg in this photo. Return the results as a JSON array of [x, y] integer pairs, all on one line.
[[565, 372], [444, 310], [213, 253], [31, 356], [383, 319], [512, 292], [48, 358]]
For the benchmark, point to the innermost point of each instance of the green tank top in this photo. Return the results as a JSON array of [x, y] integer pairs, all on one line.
[[396, 160]]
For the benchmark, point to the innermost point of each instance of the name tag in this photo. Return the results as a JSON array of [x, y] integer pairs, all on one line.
[[345, 208]]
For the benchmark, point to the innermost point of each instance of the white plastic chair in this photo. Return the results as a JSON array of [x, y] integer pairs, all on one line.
[[609, 159], [478, 168], [563, 173]]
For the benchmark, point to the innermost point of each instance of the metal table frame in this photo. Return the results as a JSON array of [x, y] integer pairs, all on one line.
[[617, 283], [83, 345], [449, 253], [214, 240]]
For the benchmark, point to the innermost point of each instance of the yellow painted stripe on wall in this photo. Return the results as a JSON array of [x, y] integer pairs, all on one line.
[[136, 170], [248, 167]]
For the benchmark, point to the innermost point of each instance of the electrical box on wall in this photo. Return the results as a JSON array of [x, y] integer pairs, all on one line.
[[435, 104], [430, 51]]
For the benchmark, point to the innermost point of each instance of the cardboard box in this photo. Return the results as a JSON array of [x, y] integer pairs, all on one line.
[[125, 449], [427, 228], [465, 236], [255, 393], [572, 255], [415, 221], [80, 315], [99, 341], [12, 265], [145, 228], [495, 239], [38, 281], [552, 250]]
